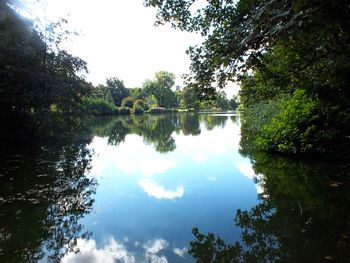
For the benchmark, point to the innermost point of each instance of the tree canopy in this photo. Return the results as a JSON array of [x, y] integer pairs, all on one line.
[[277, 50], [34, 76], [117, 89], [160, 87]]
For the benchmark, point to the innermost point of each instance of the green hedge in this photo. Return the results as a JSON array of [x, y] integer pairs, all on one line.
[[99, 107]]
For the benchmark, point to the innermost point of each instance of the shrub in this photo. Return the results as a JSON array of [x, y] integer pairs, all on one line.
[[128, 102], [99, 107], [137, 110], [296, 128], [124, 110], [141, 104]]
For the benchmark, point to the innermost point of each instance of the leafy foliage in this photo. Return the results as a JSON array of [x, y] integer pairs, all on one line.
[[124, 110], [128, 102], [117, 90], [99, 107], [34, 76], [296, 128], [160, 88], [274, 48]]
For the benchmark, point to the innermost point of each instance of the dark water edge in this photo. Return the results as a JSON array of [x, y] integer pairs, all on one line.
[[303, 213]]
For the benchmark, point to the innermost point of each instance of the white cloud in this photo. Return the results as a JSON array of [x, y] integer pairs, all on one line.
[[158, 191], [210, 143], [155, 246], [128, 166], [152, 248], [180, 252], [213, 179], [89, 253]]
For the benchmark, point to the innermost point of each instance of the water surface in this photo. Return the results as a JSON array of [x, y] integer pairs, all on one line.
[[132, 188]]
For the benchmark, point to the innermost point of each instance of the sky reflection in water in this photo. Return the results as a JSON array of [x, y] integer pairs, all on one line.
[[147, 202]]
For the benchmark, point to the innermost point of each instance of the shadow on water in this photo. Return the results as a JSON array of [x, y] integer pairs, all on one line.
[[44, 191], [303, 214]]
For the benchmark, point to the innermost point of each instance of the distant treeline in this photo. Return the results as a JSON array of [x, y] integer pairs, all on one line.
[[155, 96], [42, 83]]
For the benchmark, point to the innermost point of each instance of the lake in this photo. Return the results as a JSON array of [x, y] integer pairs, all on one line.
[[132, 188]]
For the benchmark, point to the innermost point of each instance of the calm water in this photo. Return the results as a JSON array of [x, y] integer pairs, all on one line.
[[130, 189]]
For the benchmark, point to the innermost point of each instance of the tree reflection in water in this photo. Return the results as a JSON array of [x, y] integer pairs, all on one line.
[[156, 130], [303, 214], [44, 193], [45, 189]]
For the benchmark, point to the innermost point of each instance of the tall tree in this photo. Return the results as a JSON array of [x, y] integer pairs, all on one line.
[[117, 89], [189, 98], [160, 87]]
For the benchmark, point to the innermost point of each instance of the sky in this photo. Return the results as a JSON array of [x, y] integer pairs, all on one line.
[[118, 38]]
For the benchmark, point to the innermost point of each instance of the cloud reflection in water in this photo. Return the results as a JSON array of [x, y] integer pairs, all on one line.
[[158, 191], [247, 170], [89, 253], [114, 251]]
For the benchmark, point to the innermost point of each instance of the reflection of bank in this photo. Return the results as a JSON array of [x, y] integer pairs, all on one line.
[[124, 251], [303, 214], [247, 170], [46, 194], [145, 194], [157, 130]]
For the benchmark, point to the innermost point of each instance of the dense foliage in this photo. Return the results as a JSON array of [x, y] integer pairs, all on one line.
[[36, 76], [282, 52], [160, 88]]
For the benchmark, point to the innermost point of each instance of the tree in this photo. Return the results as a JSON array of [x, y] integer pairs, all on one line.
[[234, 102], [36, 75], [102, 92], [273, 48], [128, 102], [189, 98], [160, 87], [138, 93], [221, 101], [117, 89]]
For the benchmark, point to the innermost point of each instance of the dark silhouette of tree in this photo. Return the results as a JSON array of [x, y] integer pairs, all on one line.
[[36, 76]]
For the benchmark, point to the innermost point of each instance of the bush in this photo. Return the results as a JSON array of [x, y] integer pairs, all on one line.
[[137, 110], [296, 128], [124, 110], [141, 104], [128, 102], [99, 107]]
